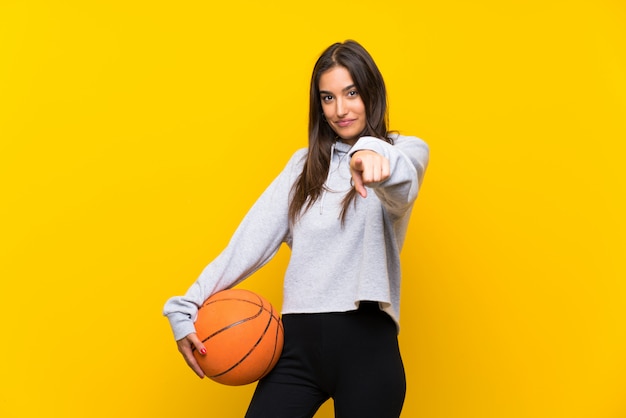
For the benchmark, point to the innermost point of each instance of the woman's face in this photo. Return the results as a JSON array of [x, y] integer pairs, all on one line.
[[342, 105]]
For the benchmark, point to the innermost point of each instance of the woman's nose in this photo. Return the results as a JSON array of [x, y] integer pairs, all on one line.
[[342, 109]]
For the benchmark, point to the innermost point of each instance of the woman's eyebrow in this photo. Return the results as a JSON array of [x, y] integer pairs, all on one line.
[[350, 87]]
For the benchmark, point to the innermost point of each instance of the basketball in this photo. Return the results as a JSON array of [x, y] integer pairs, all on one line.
[[242, 334]]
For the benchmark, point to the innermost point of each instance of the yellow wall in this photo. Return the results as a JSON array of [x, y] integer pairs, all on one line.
[[134, 135]]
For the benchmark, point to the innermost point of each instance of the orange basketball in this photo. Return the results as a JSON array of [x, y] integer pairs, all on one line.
[[243, 336]]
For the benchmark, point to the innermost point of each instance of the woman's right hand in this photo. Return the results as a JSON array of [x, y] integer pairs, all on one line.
[[186, 346]]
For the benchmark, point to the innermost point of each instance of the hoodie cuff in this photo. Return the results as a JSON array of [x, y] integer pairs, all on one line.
[[181, 325], [369, 143]]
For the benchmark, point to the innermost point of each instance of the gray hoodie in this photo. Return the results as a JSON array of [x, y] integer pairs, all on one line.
[[332, 266]]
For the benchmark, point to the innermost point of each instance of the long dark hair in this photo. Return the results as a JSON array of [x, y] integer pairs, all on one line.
[[371, 87]]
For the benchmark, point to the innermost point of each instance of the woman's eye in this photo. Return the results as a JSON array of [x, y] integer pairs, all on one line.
[[327, 98], [353, 93]]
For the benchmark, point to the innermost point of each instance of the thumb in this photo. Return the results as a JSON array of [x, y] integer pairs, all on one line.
[[196, 343], [356, 164]]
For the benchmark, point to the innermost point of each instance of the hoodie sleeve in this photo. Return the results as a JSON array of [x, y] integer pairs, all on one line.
[[256, 240], [408, 159]]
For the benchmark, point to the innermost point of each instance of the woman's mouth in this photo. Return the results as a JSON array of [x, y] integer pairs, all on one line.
[[344, 123]]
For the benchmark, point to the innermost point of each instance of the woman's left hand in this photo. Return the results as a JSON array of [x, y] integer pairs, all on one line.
[[368, 167]]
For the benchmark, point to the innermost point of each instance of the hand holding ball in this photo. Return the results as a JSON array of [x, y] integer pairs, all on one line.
[[242, 334]]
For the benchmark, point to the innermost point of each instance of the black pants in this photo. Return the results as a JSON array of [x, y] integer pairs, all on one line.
[[352, 357]]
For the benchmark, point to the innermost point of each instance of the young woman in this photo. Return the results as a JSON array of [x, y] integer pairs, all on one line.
[[343, 207]]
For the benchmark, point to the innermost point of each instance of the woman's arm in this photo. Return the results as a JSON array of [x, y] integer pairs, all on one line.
[[395, 172], [254, 243]]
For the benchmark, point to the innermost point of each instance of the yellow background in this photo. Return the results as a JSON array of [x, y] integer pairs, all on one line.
[[134, 135]]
